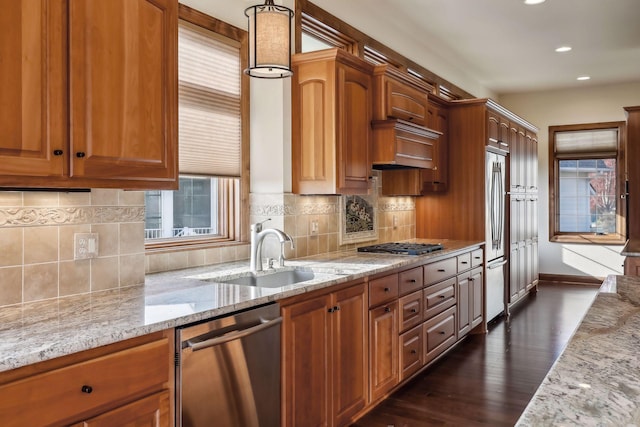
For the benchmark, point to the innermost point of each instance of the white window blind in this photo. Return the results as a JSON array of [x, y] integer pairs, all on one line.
[[209, 74], [599, 142]]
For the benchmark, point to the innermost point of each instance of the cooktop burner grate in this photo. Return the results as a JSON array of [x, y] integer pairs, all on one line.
[[402, 248]]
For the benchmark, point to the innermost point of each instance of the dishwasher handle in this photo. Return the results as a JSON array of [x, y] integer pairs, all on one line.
[[496, 265], [195, 346]]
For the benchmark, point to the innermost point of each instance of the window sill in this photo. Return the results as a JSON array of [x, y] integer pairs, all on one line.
[[188, 245], [590, 239]]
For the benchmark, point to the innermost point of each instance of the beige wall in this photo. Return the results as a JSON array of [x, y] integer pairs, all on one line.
[[588, 104]]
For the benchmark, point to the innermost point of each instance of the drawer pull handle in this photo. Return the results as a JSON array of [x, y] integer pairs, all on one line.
[[57, 152], [413, 352], [477, 257], [86, 389], [330, 309], [412, 281], [441, 270], [414, 310], [387, 289], [336, 308], [442, 296], [387, 310], [80, 154], [441, 332], [464, 262]]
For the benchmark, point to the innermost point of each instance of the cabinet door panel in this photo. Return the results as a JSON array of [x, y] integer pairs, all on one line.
[[33, 102], [306, 351], [152, 411], [477, 301], [349, 372], [123, 88], [464, 301], [383, 349], [354, 157]]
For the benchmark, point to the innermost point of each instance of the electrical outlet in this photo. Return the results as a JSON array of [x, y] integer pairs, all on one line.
[[395, 222], [85, 245], [314, 226]]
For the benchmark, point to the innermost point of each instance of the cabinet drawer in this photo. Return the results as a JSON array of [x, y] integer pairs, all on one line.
[[410, 352], [439, 333], [464, 262], [383, 289], [64, 394], [410, 280], [410, 310], [439, 297], [477, 258], [440, 270]]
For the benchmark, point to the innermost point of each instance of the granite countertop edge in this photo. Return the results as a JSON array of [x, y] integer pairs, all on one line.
[[596, 379], [42, 330]]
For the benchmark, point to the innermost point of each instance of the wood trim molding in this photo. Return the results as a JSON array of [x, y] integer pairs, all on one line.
[[571, 279]]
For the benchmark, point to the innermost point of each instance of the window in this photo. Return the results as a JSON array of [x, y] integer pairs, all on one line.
[[586, 171], [212, 101]]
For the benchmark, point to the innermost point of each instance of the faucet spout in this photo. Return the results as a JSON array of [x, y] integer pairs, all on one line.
[[257, 237]]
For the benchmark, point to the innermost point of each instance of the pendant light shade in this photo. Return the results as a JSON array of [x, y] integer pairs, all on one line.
[[269, 41]]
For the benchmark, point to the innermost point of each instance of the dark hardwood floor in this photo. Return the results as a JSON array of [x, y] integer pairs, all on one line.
[[488, 379]]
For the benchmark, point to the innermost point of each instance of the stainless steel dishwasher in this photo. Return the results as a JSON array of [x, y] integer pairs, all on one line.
[[228, 370]]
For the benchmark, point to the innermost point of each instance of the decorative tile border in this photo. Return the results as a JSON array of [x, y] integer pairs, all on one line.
[[392, 206], [21, 217]]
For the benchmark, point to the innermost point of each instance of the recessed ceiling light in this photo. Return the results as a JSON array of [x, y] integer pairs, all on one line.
[[533, 1], [563, 49], [583, 78]]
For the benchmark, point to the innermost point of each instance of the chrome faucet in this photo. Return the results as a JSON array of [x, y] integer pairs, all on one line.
[[257, 236]]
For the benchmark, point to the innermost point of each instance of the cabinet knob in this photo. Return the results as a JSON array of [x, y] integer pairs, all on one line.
[[441, 332], [330, 309], [412, 281], [86, 389], [442, 297], [413, 352], [414, 310], [80, 154], [336, 308], [387, 309], [58, 152], [387, 289], [435, 168]]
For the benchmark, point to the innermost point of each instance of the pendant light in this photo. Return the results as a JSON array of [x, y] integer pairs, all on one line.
[[269, 41]]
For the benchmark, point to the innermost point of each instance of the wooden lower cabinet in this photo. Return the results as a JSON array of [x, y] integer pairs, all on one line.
[[477, 297], [439, 334], [324, 347], [151, 411], [470, 300], [127, 383], [410, 352], [632, 266], [383, 349]]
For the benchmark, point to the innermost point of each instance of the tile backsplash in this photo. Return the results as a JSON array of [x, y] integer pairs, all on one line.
[[37, 243], [37, 238]]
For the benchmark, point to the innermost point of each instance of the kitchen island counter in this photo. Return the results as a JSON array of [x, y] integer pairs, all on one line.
[[596, 380], [43, 330]]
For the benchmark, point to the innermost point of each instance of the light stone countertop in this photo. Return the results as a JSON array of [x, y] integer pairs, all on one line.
[[43, 330], [596, 380]]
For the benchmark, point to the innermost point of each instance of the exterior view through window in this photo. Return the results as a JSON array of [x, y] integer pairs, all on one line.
[[587, 180]]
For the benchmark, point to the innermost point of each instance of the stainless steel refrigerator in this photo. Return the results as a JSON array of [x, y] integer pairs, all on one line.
[[495, 233]]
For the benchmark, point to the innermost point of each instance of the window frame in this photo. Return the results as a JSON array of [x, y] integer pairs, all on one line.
[[237, 223], [555, 235]]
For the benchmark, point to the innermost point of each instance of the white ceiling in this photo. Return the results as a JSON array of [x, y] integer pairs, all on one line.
[[504, 45]]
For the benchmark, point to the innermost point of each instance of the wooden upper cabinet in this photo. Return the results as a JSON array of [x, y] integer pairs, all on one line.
[[398, 143], [33, 93], [436, 179], [399, 95], [331, 131], [88, 93], [497, 131], [123, 82]]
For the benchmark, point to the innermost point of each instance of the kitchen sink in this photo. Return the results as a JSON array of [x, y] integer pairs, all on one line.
[[272, 280]]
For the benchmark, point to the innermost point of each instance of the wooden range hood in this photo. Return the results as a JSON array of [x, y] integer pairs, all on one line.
[[401, 144]]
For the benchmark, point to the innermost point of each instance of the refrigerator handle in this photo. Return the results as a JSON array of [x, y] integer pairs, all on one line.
[[501, 209]]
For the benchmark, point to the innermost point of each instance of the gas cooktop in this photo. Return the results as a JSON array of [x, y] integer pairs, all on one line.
[[402, 248]]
